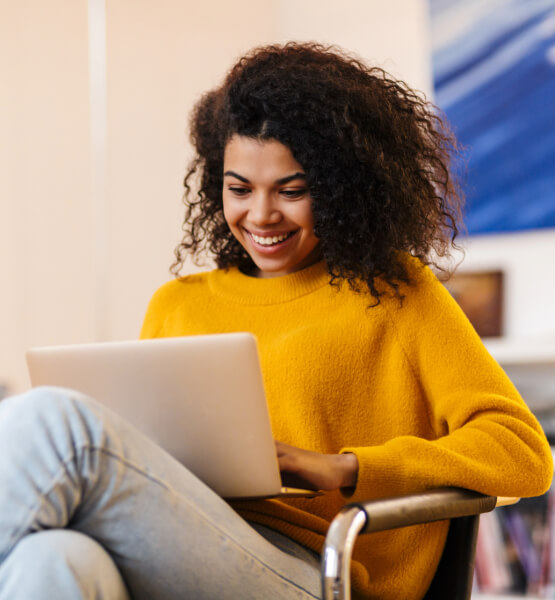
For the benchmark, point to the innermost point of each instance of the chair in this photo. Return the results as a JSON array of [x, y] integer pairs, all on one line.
[[453, 578]]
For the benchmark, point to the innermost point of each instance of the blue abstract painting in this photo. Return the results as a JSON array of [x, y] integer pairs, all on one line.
[[494, 77]]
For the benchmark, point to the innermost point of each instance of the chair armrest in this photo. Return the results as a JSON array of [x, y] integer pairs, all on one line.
[[389, 513], [506, 500], [433, 505]]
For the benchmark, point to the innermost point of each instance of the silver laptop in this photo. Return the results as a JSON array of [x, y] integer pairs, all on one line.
[[201, 398]]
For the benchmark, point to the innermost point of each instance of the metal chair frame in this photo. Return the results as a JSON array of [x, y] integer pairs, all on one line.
[[462, 507]]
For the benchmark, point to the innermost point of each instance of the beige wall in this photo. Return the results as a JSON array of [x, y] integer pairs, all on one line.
[[391, 34], [160, 57], [45, 261]]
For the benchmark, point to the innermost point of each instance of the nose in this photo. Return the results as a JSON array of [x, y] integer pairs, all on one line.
[[263, 211]]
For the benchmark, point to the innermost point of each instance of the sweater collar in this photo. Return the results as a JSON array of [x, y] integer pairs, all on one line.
[[243, 289]]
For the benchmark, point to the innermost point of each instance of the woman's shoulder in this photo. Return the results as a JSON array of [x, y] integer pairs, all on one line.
[[427, 307], [175, 290], [181, 293], [424, 297], [421, 284]]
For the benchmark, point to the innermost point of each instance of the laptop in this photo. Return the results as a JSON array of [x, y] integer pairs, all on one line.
[[201, 398]]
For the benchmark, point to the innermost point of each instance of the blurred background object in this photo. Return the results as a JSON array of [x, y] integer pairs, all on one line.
[[4, 390], [480, 295], [494, 76]]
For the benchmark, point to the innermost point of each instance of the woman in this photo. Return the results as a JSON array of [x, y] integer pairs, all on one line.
[[324, 192]]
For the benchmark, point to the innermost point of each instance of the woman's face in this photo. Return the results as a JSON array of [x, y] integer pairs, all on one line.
[[267, 206]]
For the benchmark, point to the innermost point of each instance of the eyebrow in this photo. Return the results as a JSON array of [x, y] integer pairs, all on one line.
[[281, 181]]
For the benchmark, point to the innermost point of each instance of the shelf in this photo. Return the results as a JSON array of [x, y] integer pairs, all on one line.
[[524, 352], [530, 364], [504, 597]]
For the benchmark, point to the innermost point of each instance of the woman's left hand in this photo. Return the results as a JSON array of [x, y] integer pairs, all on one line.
[[305, 468]]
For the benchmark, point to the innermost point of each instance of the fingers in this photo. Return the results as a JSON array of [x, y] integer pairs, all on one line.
[[297, 481]]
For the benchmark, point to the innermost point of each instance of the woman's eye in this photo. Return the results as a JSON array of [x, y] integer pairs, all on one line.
[[296, 193], [238, 191]]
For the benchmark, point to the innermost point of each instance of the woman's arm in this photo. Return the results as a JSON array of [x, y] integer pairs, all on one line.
[[483, 436], [480, 433]]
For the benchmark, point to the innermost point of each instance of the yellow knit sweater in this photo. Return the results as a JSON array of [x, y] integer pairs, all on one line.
[[409, 389]]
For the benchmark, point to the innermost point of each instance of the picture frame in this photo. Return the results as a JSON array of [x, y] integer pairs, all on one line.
[[480, 294]]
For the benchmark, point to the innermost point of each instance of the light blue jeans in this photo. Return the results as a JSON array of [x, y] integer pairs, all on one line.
[[92, 509]]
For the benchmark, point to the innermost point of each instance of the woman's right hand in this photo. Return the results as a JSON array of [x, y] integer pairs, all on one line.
[[316, 470]]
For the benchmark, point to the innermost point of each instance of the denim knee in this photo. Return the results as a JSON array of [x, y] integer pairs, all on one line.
[[42, 400], [60, 563], [45, 398], [55, 407]]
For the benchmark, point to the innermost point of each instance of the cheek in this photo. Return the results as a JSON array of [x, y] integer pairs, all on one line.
[[230, 215], [305, 218]]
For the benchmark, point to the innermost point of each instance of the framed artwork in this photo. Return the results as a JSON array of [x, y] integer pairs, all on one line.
[[480, 295], [494, 78]]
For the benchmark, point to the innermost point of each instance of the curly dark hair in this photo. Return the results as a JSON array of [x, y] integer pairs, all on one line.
[[376, 156]]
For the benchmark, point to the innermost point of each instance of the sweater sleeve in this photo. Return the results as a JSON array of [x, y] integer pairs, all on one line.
[[486, 438]]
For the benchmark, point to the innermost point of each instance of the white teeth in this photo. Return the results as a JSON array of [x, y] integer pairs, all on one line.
[[269, 240]]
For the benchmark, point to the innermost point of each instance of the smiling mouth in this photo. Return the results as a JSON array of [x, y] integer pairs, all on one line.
[[271, 240]]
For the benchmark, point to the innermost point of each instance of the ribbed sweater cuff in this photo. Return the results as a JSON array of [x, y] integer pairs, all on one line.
[[380, 474]]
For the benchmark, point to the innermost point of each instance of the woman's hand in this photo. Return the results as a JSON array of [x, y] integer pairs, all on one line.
[[314, 470]]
